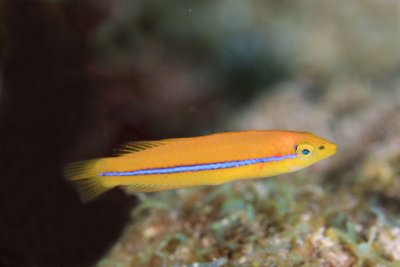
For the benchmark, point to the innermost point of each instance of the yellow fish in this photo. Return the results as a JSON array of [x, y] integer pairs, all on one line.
[[149, 166]]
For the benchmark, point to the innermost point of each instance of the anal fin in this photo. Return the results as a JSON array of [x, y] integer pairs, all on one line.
[[151, 187]]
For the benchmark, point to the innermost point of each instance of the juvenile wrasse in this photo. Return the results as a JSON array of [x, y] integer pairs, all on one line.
[[149, 166]]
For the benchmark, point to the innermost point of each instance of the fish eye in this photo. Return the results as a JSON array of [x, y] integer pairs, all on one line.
[[305, 151]]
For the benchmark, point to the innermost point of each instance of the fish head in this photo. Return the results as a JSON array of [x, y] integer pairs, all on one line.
[[309, 149]]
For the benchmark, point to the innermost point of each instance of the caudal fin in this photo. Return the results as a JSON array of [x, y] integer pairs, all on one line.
[[85, 178]]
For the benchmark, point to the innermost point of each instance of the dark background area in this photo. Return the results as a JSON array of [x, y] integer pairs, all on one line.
[[44, 107]]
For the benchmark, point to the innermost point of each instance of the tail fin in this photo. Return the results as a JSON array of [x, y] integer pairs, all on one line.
[[85, 178]]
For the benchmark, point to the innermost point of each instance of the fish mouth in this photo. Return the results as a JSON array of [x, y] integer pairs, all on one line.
[[334, 148], [327, 149], [331, 149]]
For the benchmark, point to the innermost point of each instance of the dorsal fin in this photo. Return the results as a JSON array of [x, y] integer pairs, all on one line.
[[136, 146]]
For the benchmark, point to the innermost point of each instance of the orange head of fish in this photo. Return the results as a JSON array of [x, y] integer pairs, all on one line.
[[302, 149]]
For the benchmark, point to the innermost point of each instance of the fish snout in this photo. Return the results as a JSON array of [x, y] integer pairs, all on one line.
[[330, 149]]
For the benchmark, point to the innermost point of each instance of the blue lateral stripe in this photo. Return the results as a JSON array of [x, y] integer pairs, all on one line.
[[199, 167]]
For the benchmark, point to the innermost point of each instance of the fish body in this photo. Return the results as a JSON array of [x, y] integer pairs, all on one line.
[[206, 160]]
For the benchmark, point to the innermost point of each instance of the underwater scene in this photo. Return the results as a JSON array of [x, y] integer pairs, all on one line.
[[222, 133]]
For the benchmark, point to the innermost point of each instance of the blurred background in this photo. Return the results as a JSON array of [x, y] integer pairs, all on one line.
[[78, 78]]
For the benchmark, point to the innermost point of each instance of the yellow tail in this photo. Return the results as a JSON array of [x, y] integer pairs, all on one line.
[[85, 178]]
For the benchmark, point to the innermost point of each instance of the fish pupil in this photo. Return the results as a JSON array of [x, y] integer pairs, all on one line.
[[305, 152]]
